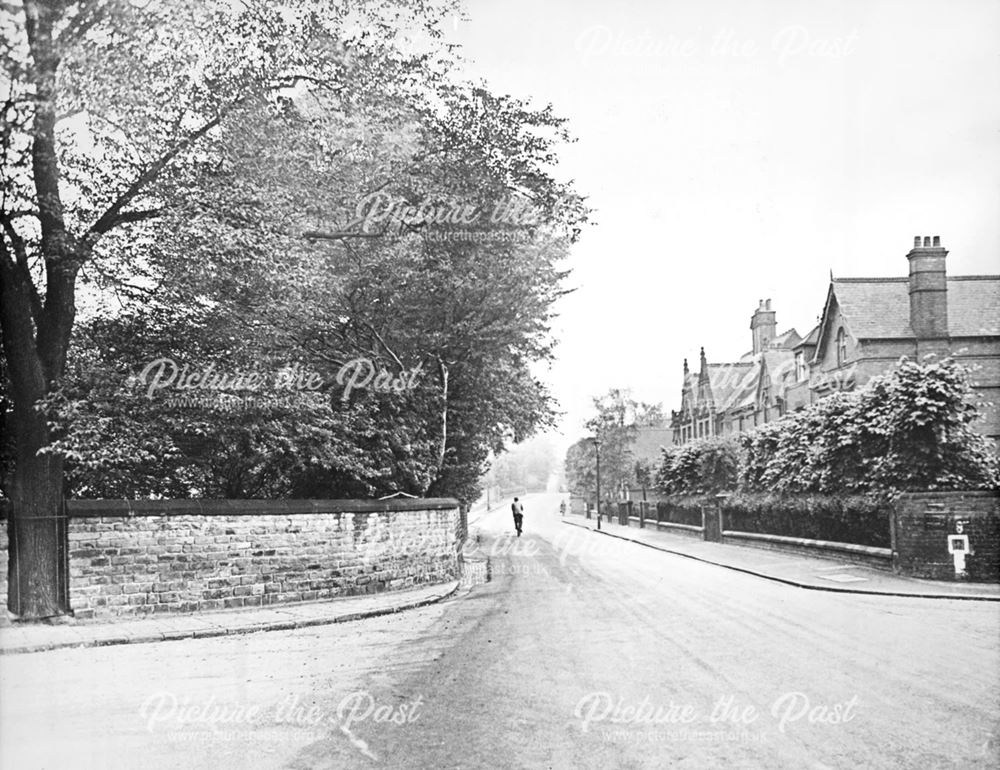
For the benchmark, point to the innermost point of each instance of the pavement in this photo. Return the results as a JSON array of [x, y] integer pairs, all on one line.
[[68, 632], [813, 573]]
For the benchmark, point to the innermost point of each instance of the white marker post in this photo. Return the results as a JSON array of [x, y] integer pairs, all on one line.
[[958, 547]]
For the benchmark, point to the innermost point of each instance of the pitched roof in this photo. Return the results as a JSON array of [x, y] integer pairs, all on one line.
[[879, 308], [649, 440], [974, 305], [780, 365], [810, 339], [788, 339], [875, 307], [724, 380], [734, 383]]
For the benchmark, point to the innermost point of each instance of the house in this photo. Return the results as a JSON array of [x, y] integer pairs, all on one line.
[[726, 398], [869, 323], [866, 326]]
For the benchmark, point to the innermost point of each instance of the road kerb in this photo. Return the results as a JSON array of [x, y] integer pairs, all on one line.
[[207, 633], [788, 581]]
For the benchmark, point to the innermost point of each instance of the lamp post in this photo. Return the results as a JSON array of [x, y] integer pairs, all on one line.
[[597, 447]]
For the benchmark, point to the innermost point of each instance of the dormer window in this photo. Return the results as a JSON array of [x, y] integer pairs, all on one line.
[[841, 347]]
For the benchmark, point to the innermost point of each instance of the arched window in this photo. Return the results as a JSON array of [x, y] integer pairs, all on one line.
[[765, 393], [841, 347]]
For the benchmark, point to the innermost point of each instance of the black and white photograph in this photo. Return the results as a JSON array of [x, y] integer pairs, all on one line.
[[460, 384]]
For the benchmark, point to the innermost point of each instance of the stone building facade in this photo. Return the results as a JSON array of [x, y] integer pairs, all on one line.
[[866, 326]]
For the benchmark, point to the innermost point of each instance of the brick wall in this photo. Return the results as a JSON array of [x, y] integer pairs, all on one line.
[[922, 522], [180, 556]]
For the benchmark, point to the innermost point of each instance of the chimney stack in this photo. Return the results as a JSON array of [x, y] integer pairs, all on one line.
[[763, 326], [928, 288]]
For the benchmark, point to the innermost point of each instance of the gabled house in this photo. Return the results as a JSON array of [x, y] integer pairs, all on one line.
[[869, 323], [866, 326], [726, 398]]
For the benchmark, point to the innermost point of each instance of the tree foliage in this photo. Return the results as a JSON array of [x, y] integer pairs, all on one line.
[[704, 466], [907, 430], [258, 187], [615, 425]]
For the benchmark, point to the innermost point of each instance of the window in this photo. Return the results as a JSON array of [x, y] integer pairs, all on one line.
[[765, 393], [800, 366], [841, 347]]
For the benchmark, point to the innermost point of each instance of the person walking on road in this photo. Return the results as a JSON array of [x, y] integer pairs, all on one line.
[[517, 508]]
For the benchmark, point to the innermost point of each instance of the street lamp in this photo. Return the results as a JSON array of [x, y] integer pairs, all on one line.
[[597, 447]]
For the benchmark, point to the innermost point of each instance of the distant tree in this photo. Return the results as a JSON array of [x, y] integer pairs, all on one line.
[[581, 469], [616, 423], [643, 475], [526, 466]]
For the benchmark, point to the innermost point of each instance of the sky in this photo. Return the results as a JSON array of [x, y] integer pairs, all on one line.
[[738, 151]]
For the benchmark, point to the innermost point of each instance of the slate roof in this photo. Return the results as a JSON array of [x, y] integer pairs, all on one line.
[[733, 383], [788, 339], [726, 380], [811, 339], [649, 440], [780, 366], [875, 308], [974, 305], [879, 308]]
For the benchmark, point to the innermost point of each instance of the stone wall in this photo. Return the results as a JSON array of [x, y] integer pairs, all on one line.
[[923, 521], [135, 558], [3, 570]]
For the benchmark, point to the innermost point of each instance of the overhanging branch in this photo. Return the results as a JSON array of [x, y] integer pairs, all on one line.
[[114, 215]]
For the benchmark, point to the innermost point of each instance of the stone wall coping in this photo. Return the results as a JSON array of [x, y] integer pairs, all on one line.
[[949, 493], [676, 525], [831, 545], [79, 509]]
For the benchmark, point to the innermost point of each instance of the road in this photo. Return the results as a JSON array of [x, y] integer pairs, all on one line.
[[582, 651]]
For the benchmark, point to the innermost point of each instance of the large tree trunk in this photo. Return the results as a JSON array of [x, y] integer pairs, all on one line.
[[37, 525], [35, 335]]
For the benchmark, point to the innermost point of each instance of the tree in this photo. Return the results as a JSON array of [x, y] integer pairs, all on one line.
[[643, 475], [704, 466], [907, 430], [525, 467], [149, 87], [198, 156], [615, 426], [581, 468]]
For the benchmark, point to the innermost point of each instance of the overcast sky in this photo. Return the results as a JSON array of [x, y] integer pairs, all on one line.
[[739, 151]]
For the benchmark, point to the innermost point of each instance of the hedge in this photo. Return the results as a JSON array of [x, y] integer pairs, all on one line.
[[683, 510], [858, 520]]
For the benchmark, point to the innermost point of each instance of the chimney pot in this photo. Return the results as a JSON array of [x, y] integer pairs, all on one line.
[[937, 240], [916, 241], [927, 241]]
